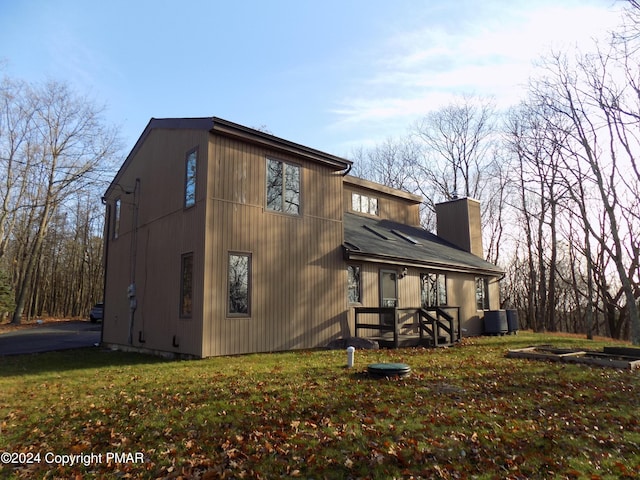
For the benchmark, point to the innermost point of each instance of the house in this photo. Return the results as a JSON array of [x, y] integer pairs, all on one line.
[[221, 239]]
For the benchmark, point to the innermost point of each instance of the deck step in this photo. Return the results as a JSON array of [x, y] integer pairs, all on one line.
[[405, 340]]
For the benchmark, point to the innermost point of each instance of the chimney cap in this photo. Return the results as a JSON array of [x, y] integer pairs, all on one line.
[[458, 199]]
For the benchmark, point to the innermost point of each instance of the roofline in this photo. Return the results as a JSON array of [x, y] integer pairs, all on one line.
[[352, 255], [232, 129], [378, 187], [225, 127], [154, 123]]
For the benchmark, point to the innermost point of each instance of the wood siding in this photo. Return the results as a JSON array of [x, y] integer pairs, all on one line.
[[460, 293], [298, 289], [298, 274], [403, 209], [165, 231]]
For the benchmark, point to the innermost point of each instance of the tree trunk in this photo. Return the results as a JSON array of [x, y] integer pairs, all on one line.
[[28, 274]]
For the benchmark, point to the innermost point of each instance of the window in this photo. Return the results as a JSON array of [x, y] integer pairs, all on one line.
[[433, 289], [186, 286], [116, 218], [283, 187], [239, 284], [482, 293], [190, 178], [353, 284], [364, 204], [406, 237]]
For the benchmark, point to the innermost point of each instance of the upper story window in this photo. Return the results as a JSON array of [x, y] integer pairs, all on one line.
[[283, 187], [364, 204], [117, 207], [190, 178], [433, 289], [482, 293]]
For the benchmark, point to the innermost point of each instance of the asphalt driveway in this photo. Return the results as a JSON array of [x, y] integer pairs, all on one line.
[[49, 337]]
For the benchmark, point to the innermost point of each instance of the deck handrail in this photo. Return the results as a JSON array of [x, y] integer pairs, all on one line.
[[379, 326], [449, 327], [430, 320]]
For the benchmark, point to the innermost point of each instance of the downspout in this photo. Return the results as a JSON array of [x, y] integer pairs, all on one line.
[[131, 290], [346, 172], [105, 262]]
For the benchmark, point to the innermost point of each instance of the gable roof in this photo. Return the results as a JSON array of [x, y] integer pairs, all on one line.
[[386, 241], [235, 130]]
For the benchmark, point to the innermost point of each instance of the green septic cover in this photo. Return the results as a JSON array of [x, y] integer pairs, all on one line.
[[389, 368]]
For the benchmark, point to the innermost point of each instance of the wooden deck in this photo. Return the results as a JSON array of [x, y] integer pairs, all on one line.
[[387, 340], [409, 327]]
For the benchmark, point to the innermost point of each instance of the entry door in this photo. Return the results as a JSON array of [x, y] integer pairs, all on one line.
[[388, 293]]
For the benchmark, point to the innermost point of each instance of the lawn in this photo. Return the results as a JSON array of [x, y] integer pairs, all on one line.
[[464, 412]]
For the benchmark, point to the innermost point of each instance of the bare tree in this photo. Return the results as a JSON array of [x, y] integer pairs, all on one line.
[[68, 143], [495, 199], [457, 141], [15, 125], [526, 138], [390, 163], [460, 157], [532, 287], [585, 94], [628, 36]]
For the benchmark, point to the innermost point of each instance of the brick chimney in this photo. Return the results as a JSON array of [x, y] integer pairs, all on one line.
[[458, 222]]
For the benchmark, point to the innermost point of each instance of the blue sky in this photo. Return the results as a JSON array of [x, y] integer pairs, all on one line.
[[330, 74]]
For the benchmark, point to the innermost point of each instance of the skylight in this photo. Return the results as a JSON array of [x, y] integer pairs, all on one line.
[[377, 232], [406, 237]]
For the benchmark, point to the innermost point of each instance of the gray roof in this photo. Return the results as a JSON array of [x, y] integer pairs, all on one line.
[[386, 241]]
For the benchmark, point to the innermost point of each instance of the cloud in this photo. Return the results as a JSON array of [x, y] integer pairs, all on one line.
[[415, 71]]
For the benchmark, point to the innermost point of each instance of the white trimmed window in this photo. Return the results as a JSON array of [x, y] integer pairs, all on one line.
[[364, 204]]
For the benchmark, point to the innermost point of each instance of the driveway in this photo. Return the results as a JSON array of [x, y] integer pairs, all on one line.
[[49, 337]]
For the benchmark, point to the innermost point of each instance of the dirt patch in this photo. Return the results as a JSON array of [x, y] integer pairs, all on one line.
[[6, 326]]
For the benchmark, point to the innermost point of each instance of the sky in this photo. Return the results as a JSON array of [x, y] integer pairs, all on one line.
[[333, 75]]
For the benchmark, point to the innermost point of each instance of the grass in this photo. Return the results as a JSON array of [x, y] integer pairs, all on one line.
[[464, 412]]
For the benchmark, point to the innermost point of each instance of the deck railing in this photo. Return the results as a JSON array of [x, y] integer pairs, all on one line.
[[440, 325], [381, 325], [434, 320]]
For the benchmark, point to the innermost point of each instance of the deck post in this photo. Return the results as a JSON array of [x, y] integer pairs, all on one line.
[[396, 332], [355, 316], [430, 325]]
